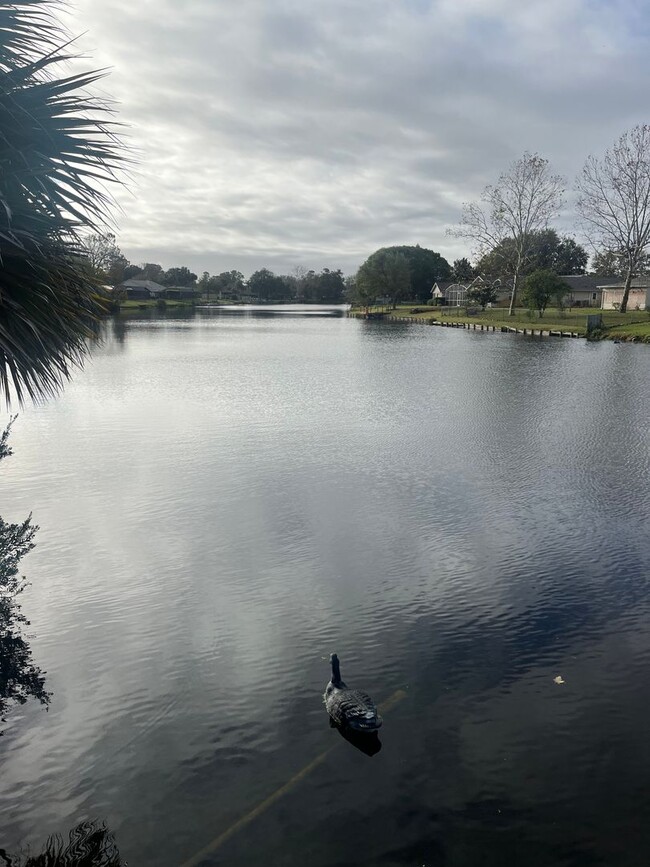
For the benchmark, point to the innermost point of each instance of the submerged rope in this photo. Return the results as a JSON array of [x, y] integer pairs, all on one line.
[[246, 819]]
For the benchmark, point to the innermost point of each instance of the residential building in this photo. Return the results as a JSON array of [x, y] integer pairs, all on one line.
[[142, 289], [584, 289], [638, 299]]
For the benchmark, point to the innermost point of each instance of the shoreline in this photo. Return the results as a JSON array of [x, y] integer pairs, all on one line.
[[637, 331]]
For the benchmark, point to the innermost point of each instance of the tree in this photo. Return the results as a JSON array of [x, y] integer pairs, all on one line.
[[19, 677], [102, 252], [204, 284], [362, 292], [385, 273], [614, 201], [547, 251], [58, 154], [425, 268], [483, 293], [331, 287], [181, 276], [462, 271], [120, 270], [152, 271], [567, 256], [521, 203], [350, 292], [608, 264], [541, 287], [328, 287], [231, 282], [267, 285], [130, 272], [210, 285]]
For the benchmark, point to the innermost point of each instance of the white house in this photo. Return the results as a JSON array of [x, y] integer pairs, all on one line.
[[453, 294], [638, 299]]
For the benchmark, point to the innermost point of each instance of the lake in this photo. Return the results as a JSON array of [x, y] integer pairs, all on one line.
[[224, 500]]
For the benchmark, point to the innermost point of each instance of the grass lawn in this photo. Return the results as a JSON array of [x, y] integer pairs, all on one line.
[[150, 304], [638, 330], [634, 324]]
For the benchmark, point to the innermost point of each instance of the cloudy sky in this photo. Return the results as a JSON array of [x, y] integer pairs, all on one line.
[[282, 132]]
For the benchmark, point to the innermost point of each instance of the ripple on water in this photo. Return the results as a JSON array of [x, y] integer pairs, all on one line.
[[223, 504]]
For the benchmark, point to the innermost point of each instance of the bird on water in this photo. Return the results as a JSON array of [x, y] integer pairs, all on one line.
[[349, 708]]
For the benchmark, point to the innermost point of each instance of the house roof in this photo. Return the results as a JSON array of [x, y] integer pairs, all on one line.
[[585, 282], [619, 283], [151, 285], [446, 286]]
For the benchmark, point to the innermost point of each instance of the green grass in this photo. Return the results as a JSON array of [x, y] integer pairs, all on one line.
[[151, 303], [632, 325], [638, 330]]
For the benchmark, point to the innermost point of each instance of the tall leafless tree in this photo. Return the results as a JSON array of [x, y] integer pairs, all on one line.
[[614, 201], [523, 201]]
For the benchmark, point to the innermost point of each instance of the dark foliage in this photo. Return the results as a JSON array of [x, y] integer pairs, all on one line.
[[20, 679], [58, 149], [425, 268]]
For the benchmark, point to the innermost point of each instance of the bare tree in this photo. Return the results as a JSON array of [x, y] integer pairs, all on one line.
[[614, 201], [521, 203], [101, 252]]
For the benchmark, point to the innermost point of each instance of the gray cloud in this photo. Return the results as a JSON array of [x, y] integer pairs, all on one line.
[[303, 132]]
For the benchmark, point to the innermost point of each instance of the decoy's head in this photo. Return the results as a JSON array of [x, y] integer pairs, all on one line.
[[336, 671]]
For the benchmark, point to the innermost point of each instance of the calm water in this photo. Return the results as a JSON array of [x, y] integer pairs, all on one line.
[[224, 500]]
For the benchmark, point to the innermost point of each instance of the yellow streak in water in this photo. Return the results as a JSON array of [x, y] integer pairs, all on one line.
[[246, 819]]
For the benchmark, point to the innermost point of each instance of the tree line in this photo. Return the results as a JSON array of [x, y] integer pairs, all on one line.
[[106, 263], [509, 228], [61, 152], [514, 243]]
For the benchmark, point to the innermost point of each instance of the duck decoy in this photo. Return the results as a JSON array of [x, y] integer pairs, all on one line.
[[349, 708]]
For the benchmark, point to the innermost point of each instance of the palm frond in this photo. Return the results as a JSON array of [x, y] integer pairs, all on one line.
[[60, 151]]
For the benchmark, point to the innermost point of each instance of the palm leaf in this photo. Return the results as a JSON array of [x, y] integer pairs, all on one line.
[[59, 151]]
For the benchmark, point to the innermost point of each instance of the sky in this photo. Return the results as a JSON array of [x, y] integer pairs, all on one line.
[[277, 133]]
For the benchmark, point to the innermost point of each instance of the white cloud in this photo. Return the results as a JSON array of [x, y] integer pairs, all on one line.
[[271, 134]]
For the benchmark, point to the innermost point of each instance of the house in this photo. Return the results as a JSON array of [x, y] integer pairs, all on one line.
[[141, 289], [178, 293], [450, 293], [447, 292], [638, 299], [584, 289], [453, 294]]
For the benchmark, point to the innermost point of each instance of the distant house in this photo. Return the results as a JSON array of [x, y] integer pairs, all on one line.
[[180, 292], [453, 294], [141, 289], [449, 293], [638, 299], [585, 289]]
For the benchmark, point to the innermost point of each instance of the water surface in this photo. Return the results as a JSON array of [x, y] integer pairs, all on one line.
[[224, 500]]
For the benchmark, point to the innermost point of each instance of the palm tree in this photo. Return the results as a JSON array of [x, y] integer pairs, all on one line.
[[59, 150]]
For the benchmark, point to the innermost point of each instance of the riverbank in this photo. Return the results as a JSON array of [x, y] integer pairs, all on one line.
[[153, 304], [632, 326]]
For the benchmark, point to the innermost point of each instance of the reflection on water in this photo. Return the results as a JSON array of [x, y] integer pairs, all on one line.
[[464, 516], [89, 844], [20, 679], [275, 309], [365, 742]]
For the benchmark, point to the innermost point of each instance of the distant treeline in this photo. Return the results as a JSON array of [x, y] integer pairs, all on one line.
[[109, 265]]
